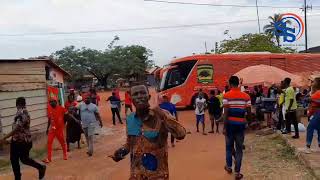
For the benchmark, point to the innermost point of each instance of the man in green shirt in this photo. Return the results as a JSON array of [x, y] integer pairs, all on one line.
[[291, 108]]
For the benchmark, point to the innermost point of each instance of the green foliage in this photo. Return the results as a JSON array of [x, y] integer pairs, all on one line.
[[252, 43], [120, 60]]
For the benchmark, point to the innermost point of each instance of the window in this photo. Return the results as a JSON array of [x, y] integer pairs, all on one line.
[[177, 75]]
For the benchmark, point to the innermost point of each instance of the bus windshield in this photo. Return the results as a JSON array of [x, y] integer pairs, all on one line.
[[177, 75]]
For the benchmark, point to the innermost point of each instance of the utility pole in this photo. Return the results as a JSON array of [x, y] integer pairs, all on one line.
[[205, 45], [306, 25], [259, 16]]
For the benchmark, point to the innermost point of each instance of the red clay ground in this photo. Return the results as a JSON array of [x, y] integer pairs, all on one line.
[[196, 157]]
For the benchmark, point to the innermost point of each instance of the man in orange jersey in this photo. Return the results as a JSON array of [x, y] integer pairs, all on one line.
[[237, 106]]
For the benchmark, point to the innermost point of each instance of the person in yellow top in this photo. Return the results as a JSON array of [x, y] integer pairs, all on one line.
[[281, 116], [220, 97], [290, 103]]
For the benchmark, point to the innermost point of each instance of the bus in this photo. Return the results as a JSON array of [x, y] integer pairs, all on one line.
[[183, 77]]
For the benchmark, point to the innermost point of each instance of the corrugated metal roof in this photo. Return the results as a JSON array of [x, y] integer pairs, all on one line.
[[152, 70], [49, 61]]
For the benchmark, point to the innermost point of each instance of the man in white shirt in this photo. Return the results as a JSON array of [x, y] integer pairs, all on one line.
[[200, 105]]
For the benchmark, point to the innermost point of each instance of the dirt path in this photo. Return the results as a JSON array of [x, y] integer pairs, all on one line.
[[196, 157]]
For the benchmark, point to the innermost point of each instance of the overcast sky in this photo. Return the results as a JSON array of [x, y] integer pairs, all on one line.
[[47, 16]]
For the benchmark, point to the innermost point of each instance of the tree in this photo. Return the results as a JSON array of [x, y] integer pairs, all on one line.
[[252, 43], [271, 28], [119, 60]]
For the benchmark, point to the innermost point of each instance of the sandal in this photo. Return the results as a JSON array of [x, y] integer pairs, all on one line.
[[47, 161], [229, 170], [239, 176]]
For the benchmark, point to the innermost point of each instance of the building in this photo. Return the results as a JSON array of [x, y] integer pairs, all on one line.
[[35, 79], [312, 50], [150, 73]]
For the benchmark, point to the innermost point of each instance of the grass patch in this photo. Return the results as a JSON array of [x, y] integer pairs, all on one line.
[[269, 157], [285, 152]]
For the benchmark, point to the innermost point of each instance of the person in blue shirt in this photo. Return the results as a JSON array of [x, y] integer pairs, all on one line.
[[166, 105], [114, 104]]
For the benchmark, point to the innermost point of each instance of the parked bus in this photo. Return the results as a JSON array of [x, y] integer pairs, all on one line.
[[183, 78]]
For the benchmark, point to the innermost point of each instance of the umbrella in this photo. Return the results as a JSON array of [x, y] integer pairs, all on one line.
[[266, 75]]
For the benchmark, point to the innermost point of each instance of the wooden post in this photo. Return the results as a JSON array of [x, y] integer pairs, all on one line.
[[1, 133]]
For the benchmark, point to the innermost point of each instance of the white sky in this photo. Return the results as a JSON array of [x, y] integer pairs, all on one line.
[[43, 16]]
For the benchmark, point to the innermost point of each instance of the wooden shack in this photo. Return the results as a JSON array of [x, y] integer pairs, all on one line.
[[32, 79]]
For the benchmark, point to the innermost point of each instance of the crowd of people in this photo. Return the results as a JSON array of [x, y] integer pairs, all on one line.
[[148, 128]]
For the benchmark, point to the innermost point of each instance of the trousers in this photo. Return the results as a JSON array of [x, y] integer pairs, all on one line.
[[115, 111], [20, 151], [234, 135], [59, 135], [89, 134], [291, 118], [314, 124]]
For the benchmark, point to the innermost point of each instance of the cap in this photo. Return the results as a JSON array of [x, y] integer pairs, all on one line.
[[79, 98]]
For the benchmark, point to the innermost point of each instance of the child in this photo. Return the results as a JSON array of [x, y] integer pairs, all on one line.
[[166, 105], [200, 105]]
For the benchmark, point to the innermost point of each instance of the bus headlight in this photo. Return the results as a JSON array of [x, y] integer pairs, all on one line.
[[175, 98]]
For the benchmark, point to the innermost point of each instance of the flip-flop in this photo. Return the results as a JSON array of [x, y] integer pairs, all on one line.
[[239, 176], [47, 161], [229, 170]]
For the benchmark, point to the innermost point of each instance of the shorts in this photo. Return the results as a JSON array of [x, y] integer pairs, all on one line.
[[216, 117], [200, 118]]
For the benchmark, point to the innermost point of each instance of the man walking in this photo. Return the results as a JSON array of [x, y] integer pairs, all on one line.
[[314, 116], [200, 105], [89, 115], [171, 108], [55, 128], [21, 142], [291, 108], [237, 106], [127, 102], [147, 133], [114, 104], [214, 111]]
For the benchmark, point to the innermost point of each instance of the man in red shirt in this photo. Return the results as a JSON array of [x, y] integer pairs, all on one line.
[[127, 102], [55, 128], [70, 102], [237, 108]]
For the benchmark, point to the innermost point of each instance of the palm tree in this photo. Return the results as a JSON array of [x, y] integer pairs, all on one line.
[[271, 29]]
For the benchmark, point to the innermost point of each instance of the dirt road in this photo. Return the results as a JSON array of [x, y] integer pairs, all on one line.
[[196, 157]]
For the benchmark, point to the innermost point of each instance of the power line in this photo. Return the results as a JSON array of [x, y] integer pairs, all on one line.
[[220, 5], [134, 29], [128, 29]]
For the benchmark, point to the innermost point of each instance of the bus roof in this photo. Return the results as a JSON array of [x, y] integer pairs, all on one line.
[[242, 55]]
